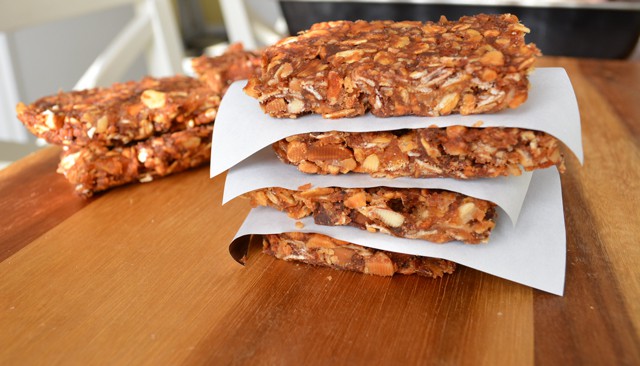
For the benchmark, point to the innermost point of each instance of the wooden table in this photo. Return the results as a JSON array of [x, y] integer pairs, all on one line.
[[142, 274]]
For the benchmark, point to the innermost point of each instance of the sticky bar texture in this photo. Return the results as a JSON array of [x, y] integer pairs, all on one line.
[[455, 152], [123, 113], [429, 214], [478, 64], [97, 168], [234, 64], [322, 250]]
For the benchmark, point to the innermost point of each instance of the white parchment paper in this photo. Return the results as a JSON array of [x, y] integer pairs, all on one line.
[[242, 128], [264, 169], [531, 253]]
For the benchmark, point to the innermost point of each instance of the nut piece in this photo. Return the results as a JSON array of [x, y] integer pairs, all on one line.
[[296, 151], [379, 264], [102, 124], [356, 201], [295, 106], [493, 58], [371, 163], [320, 241], [448, 103], [153, 99], [389, 217], [467, 211], [327, 153], [50, 120]]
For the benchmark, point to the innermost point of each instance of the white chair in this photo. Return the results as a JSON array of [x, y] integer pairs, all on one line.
[[152, 31], [255, 23]]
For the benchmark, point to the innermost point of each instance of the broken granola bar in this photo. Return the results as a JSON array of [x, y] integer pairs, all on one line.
[[429, 214], [322, 250], [234, 64], [478, 64]]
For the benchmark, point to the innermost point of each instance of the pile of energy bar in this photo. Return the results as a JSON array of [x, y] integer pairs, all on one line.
[[137, 131], [342, 70]]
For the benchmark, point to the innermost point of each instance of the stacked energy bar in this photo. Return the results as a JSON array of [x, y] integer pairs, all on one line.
[[478, 64], [137, 131]]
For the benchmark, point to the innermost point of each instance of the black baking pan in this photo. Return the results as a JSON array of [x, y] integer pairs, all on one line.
[[593, 30]]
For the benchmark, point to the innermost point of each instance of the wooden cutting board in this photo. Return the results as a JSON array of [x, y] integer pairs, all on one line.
[[142, 274]]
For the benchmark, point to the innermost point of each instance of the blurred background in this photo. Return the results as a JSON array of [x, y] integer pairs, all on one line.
[[43, 58]]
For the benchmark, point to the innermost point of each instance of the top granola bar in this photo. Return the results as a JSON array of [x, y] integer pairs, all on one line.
[[122, 113], [478, 64]]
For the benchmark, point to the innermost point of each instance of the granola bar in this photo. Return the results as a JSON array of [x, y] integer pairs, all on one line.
[[478, 64], [322, 250], [219, 72], [97, 168], [429, 214], [122, 113], [455, 151]]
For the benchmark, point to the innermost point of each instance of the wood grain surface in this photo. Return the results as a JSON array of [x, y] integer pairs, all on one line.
[[142, 274]]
